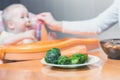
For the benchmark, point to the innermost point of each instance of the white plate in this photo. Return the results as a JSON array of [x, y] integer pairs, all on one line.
[[91, 60]]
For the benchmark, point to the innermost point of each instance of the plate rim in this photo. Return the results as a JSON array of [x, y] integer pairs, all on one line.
[[96, 59]]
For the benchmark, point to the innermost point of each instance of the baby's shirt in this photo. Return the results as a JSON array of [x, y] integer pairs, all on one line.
[[3, 35]]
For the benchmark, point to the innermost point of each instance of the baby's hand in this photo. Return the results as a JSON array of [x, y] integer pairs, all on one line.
[[30, 35]]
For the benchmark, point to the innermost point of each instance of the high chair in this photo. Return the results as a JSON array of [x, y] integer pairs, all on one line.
[[37, 50]]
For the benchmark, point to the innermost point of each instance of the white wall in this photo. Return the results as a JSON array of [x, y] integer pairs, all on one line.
[[72, 10]]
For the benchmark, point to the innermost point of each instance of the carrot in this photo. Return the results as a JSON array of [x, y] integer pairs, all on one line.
[[75, 49]]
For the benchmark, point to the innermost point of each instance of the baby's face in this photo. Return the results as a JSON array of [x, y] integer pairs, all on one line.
[[20, 19]]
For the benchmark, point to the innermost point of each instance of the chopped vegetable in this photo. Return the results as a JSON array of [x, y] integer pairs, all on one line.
[[63, 60], [52, 55], [78, 58]]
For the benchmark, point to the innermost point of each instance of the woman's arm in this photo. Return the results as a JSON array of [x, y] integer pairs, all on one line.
[[94, 26], [87, 27]]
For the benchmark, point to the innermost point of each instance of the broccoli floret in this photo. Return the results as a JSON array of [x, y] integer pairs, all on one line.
[[78, 58], [75, 59], [63, 60], [52, 55], [83, 58]]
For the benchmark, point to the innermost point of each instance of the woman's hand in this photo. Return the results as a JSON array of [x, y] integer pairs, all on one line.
[[48, 19]]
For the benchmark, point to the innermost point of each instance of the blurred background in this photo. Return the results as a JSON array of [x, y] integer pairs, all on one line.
[[70, 10]]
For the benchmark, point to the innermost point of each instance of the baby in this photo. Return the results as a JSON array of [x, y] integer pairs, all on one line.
[[16, 19]]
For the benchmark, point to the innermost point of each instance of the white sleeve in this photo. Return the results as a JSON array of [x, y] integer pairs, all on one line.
[[96, 25]]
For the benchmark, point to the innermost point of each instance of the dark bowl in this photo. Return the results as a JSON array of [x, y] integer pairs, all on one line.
[[111, 47]]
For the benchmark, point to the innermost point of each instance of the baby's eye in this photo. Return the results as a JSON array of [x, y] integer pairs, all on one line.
[[22, 17]]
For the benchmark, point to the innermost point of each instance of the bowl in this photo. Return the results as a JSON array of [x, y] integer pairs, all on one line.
[[111, 47]]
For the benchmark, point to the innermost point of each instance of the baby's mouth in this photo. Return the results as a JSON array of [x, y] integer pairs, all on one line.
[[28, 24]]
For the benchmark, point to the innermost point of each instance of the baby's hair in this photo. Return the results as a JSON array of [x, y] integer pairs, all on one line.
[[7, 12]]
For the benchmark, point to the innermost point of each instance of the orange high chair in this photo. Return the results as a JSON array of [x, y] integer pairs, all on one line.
[[37, 50]]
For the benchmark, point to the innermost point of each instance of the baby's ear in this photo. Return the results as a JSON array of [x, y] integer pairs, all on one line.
[[10, 25]]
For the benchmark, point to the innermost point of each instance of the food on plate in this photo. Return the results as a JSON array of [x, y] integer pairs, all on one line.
[[79, 58], [74, 49], [54, 56], [64, 60]]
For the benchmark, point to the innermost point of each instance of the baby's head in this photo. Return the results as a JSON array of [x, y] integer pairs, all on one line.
[[15, 17]]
